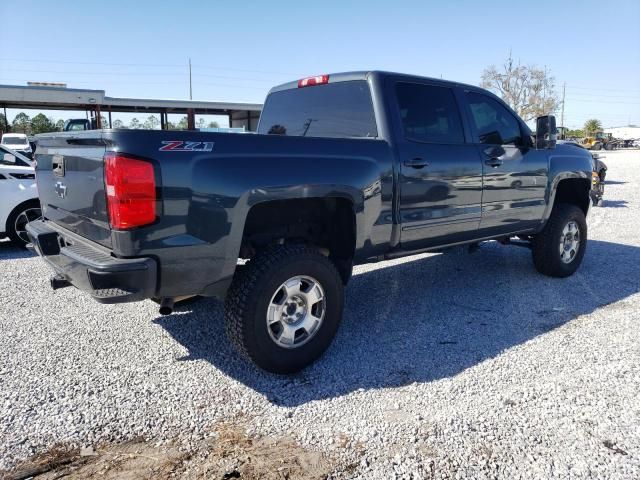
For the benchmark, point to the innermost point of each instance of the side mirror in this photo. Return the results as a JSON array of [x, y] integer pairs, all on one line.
[[8, 158], [546, 132]]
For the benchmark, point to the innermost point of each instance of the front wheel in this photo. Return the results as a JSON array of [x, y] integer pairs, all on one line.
[[283, 310], [558, 250]]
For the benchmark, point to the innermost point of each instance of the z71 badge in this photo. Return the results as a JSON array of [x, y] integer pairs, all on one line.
[[180, 146]]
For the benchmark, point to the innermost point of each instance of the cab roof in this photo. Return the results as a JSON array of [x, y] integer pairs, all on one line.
[[366, 74]]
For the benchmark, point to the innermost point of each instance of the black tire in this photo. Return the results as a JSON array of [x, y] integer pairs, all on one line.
[[31, 209], [602, 174], [250, 295], [597, 146], [546, 244]]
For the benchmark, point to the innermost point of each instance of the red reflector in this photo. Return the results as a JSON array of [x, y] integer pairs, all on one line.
[[131, 191], [317, 80]]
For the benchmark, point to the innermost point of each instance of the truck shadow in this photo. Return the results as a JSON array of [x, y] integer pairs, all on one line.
[[9, 251], [424, 320], [614, 203]]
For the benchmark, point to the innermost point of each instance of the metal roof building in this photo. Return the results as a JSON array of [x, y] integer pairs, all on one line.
[[96, 103]]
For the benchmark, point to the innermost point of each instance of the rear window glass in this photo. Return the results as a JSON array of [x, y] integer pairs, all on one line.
[[341, 109], [14, 140]]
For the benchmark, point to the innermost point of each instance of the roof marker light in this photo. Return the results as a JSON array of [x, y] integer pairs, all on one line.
[[310, 81]]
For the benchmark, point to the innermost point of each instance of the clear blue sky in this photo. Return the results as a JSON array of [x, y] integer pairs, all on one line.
[[240, 48]]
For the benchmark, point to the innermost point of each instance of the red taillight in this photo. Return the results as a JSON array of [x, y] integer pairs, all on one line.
[[131, 191], [317, 80]]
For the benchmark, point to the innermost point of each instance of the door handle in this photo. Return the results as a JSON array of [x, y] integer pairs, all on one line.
[[493, 162], [416, 162]]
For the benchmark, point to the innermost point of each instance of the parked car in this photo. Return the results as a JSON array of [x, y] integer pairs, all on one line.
[[345, 169], [18, 142], [599, 167], [597, 180], [19, 202]]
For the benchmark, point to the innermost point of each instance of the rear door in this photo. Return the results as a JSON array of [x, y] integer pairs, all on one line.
[[70, 178], [440, 182], [515, 173]]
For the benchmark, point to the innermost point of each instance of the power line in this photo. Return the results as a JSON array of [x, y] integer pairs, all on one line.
[[605, 89], [599, 95], [153, 65], [120, 74], [582, 100], [176, 83]]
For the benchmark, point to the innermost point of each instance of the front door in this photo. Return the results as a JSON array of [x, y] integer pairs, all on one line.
[[515, 173], [440, 181]]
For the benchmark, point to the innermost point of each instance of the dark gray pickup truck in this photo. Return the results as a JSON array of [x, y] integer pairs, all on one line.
[[345, 169]]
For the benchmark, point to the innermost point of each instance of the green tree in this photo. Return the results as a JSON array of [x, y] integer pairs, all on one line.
[[117, 123], [151, 123], [59, 125], [592, 126], [578, 133], [135, 123], [201, 123], [529, 90], [21, 123], [213, 125], [41, 124], [183, 124]]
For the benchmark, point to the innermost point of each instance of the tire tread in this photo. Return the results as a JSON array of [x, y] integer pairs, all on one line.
[[544, 243], [245, 281]]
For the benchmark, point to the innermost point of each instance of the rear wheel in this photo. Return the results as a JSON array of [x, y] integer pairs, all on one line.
[[17, 222], [558, 250], [283, 310]]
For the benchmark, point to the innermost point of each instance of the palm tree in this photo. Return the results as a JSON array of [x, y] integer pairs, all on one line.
[[591, 127]]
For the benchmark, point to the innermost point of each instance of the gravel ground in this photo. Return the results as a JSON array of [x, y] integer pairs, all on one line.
[[446, 366]]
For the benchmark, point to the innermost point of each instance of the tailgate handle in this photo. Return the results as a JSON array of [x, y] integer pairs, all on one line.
[[57, 164]]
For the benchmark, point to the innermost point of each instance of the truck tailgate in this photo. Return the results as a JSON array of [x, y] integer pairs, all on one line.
[[70, 178]]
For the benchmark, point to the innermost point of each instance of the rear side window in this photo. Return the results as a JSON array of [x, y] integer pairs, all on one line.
[[429, 113], [341, 109], [495, 125]]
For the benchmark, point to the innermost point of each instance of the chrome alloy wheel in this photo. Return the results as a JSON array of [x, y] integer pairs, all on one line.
[[569, 242], [20, 225], [296, 311]]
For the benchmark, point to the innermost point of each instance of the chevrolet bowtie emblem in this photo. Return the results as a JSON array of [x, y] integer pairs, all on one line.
[[61, 189]]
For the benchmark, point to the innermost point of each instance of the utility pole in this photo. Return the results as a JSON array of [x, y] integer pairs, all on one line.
[[190, 85], [564, 87]]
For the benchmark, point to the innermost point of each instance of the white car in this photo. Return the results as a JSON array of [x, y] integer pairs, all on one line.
[[19, 202], [18, 142]]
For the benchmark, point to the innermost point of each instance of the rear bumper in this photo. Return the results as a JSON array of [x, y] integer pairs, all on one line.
[[91, 268]]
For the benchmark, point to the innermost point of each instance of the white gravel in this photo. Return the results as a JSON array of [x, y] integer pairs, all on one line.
[[446, 366]]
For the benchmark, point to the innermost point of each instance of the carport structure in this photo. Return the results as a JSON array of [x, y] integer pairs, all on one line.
[[96, 104]]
